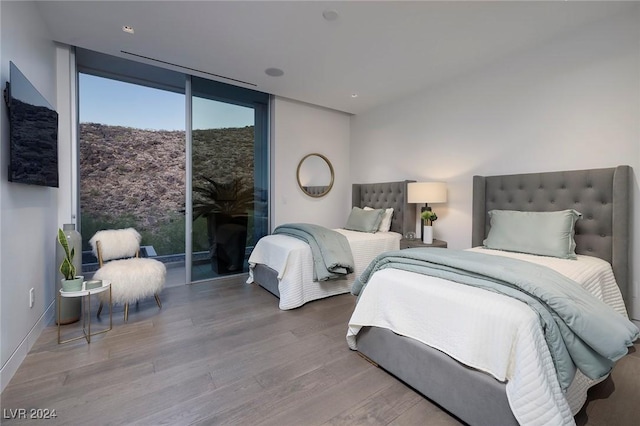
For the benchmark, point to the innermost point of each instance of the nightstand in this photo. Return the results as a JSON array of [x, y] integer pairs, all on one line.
[[404, 243]]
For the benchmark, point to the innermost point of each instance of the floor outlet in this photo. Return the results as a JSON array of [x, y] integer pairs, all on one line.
[[32, 297]]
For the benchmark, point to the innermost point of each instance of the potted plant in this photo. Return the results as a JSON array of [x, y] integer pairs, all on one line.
[[429, 217], [70, 282], [226, 206]]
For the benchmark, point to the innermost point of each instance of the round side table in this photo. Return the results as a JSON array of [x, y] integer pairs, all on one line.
[[86, 294]]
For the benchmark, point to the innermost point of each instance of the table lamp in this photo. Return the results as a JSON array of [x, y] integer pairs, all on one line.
[[426, 192]]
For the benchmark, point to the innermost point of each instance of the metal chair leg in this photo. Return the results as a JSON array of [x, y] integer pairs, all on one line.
[[126, 312], [158, 300]]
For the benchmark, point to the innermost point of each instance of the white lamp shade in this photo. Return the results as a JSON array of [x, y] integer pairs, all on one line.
[[427, 192]]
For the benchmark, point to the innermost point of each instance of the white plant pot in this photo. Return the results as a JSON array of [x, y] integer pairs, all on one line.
[[428, 235]]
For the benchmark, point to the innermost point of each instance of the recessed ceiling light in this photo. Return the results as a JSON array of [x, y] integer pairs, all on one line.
[[274, 72], [330, 15], [127, 29], [354, 95]]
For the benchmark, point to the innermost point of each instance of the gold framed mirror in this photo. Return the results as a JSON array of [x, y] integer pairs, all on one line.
[[315, 175]]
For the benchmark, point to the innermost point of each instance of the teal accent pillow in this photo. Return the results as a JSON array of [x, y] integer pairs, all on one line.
[[364, 220], [541, 233]]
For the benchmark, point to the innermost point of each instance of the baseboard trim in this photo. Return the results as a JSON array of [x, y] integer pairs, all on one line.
[[9, 369]]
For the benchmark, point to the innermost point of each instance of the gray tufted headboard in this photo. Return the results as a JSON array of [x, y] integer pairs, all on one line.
[[601, 195], [383, 196]]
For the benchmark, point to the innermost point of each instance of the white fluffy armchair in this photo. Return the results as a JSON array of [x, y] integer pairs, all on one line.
[[132, 278]]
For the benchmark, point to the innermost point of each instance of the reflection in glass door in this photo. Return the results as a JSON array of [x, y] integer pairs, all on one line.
[[229, 177]]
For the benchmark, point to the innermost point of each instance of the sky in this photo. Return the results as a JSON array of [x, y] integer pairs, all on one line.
[[117, 103]]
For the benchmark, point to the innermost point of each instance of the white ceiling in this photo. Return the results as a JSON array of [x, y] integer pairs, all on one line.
[[381, 50]]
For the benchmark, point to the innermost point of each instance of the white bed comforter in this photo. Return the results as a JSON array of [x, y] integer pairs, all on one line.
[[487, 331], [291, 259]]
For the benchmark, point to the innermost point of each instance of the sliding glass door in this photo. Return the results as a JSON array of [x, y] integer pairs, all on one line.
[[229, 177], [182, 159]]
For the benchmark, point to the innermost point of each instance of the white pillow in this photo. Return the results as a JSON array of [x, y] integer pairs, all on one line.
[[385, 225]]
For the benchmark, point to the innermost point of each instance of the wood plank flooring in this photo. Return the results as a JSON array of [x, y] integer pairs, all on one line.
[[222, 353]]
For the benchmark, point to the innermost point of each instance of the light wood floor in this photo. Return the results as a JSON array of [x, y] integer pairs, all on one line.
[[224, 353]]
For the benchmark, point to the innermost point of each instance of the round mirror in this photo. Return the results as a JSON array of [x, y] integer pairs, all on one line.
[[315, 175]]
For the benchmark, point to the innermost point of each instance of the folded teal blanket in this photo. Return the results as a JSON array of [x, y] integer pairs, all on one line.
[[332, 257], [581, 330]]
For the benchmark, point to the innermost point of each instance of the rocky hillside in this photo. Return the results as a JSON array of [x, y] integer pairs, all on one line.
[[128, 171]]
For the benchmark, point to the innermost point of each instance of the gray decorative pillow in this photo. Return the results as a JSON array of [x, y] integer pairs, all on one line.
[[364, 220], [385, 223], [541, 233]]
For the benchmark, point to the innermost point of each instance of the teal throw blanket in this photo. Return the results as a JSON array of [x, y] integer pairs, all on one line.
[[332, 257], [581, 330]]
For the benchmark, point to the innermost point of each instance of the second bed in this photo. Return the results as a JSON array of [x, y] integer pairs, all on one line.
[[284, 266]]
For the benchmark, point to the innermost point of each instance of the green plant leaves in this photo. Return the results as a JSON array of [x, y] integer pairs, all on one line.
[[232, 198], [429, 216], [66, 267]]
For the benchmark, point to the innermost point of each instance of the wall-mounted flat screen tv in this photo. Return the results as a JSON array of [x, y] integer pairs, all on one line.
[[33, 129]]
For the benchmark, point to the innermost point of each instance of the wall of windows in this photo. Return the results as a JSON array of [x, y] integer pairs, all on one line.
[[182, 159]]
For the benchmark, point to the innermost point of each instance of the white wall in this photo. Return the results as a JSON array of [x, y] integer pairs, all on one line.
[[300, 129], [28, 214], [573, 103]]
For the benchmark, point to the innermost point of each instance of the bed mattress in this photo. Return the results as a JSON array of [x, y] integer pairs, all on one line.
[[487, 331], [291, 259]]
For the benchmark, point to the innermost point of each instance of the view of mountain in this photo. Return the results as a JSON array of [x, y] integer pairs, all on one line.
[[141, 173]]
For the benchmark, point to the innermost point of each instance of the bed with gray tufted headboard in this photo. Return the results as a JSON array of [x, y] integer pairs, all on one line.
[[601, 195], [299, 289], [383, 196]]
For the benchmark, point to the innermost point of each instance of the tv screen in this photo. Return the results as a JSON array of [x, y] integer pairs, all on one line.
[[33, 129]]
